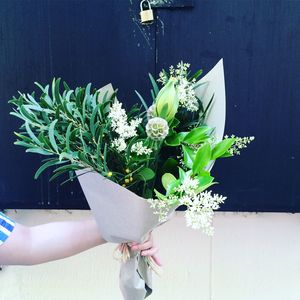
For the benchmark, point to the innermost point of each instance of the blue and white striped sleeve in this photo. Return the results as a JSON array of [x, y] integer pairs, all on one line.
[[7, 226]]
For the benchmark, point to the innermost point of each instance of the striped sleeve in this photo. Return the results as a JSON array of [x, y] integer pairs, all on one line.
[[7, 225]]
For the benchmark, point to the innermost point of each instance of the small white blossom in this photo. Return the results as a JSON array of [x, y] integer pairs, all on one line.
[[120, 125], [151, 112], [186, 95], [163, 207], [140, 149], [240, 143], [185, 89], [200, 210], [188, 186], [119, 144]]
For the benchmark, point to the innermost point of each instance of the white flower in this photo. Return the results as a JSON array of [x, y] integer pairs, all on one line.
[[188, 186], [120, 125], [140, 149], [160, 208], [240, 143], [185, 89], [186, 95], [200, 210], [151, 112], [119, 144], [157, 129]]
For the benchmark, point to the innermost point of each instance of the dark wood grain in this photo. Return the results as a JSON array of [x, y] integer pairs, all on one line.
[[260, 44], [80, 41], [101, 41]]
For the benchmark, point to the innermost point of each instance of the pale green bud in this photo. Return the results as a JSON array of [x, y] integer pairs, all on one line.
[[167, 101]]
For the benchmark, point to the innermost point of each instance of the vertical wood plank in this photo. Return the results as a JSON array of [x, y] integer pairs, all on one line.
[[80, 41], [260, 42]]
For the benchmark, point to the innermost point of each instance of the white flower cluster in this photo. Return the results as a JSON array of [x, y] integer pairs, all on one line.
[[188, 186], [185, 89], [200, 207], [120, 125], [200, 210], [140, 149], [240, 143], [186, 95], [160, 208]]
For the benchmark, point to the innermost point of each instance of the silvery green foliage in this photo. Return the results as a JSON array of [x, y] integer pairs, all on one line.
[[162, 152]]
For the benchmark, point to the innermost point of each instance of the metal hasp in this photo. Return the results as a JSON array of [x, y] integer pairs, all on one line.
[[146, 13]]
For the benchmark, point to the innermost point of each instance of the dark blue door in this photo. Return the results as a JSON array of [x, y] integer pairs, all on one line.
[[102, 41]]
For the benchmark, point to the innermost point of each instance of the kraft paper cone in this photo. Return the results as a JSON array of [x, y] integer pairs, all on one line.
[[122, 217]]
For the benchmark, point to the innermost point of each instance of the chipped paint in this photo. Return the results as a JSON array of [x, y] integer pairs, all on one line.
[[145, 31]]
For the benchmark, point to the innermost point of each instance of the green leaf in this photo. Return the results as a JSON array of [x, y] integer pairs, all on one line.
[[175, 139], [142, 100], [167, 179], [39, 151], [170, 165], [188, 156], [68, 133], [222, 147], [92, 120], [172, 186], [23, 144], [182, 174], [204, 187], [46, 165], [66, 168], [23, 137], [159, 195], [55, 90], [27, 114], [154, 85], [204, 178], [146, 174], [65, 155], [51, 135], [198, 135], [226, 154], [203, 157], [196, 75], [31, 134]]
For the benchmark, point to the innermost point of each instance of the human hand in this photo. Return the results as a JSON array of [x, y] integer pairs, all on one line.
[[147, 249]]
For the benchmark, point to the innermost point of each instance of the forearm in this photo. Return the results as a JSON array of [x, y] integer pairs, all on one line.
[[51, 241]]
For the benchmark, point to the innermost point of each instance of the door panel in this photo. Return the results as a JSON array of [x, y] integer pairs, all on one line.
[[80, 41], [260, 42]]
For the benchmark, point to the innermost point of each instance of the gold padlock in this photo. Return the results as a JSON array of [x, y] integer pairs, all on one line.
[[146, 14]]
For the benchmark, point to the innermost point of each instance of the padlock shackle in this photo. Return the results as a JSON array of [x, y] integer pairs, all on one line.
[[142, 2]]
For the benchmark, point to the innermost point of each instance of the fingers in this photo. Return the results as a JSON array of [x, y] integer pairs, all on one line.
[[149, 252], [157, 260], [141, 247], [147, 249], [144, 246]]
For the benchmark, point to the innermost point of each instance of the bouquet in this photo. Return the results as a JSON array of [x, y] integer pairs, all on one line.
[[155, 157]]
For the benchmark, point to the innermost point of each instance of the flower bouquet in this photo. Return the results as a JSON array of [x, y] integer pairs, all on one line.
[[135, 167]]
